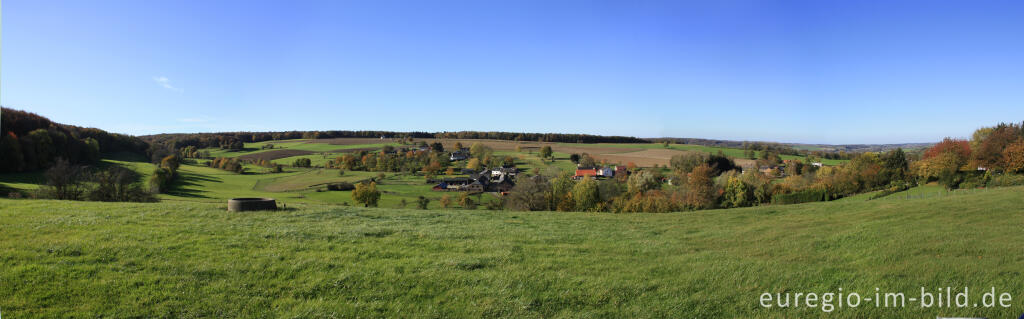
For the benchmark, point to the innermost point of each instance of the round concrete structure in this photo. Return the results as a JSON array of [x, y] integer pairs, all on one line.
[[244, 204]]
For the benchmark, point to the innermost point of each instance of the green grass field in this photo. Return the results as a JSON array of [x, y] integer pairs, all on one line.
[[304, 145], [186, 259]]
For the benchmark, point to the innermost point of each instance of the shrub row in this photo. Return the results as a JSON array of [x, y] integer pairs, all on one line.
[[804, 196]]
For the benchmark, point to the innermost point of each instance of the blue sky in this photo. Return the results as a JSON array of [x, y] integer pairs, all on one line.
[[789, 71]]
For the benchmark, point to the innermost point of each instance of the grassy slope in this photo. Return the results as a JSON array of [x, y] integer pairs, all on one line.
[[192, 259], [305, 145], [203, 184]]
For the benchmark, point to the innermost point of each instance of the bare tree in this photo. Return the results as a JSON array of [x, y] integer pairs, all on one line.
[[64, 180]]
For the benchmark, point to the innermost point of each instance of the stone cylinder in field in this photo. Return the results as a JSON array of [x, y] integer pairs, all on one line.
[[248, 204]]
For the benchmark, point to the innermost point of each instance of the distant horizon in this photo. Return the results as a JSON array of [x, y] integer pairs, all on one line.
[[795, 72], [524, 132]]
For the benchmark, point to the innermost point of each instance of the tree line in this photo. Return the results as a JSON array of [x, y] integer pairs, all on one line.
[[235, 140], [990, 155], [32, 142], [994, 156], [68, 181]]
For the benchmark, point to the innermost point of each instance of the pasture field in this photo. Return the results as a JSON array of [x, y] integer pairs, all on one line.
[[305, 185], [189, 259], [313, 146], [644, 155]]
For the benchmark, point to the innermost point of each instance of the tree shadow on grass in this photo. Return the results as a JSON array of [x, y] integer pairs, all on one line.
[[186, 185]]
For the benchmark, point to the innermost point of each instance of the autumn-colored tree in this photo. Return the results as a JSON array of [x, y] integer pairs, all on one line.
[[760, 186], [366, 194], [474, 164], [433, 168], [466, 201], [868, 169], [944, 161], [942, 165], [960, 148], [566, 203], [170, 162], [980, 135], [990, 153], [1013, 157], [445, 201], [654, 201], [700, 188]]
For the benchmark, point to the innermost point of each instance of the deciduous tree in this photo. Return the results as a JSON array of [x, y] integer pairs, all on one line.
[[64, 180], [586, 194], [530, 193], [546, 152], [366, 194], [474, 164], [1013, 157], [642, 181], [700, 188], [737, 194]]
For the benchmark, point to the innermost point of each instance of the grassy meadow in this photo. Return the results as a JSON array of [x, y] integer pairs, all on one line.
[[306, 185], [188, 259]]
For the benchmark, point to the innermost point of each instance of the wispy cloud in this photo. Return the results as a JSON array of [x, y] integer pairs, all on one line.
[[166, 83]]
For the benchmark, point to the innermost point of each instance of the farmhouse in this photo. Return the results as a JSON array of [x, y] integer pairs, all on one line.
[[583, 172], [503, 173], [459, 155], [596, 172], [490, 180], [621, 171], [475, 187], [453, 184], [501, 187]]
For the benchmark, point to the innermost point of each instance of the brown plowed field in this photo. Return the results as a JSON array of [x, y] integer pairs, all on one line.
[[273, 155], [644, 158], [620, 154]]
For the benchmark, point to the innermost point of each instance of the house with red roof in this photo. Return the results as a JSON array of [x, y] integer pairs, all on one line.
[[582, 172]]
